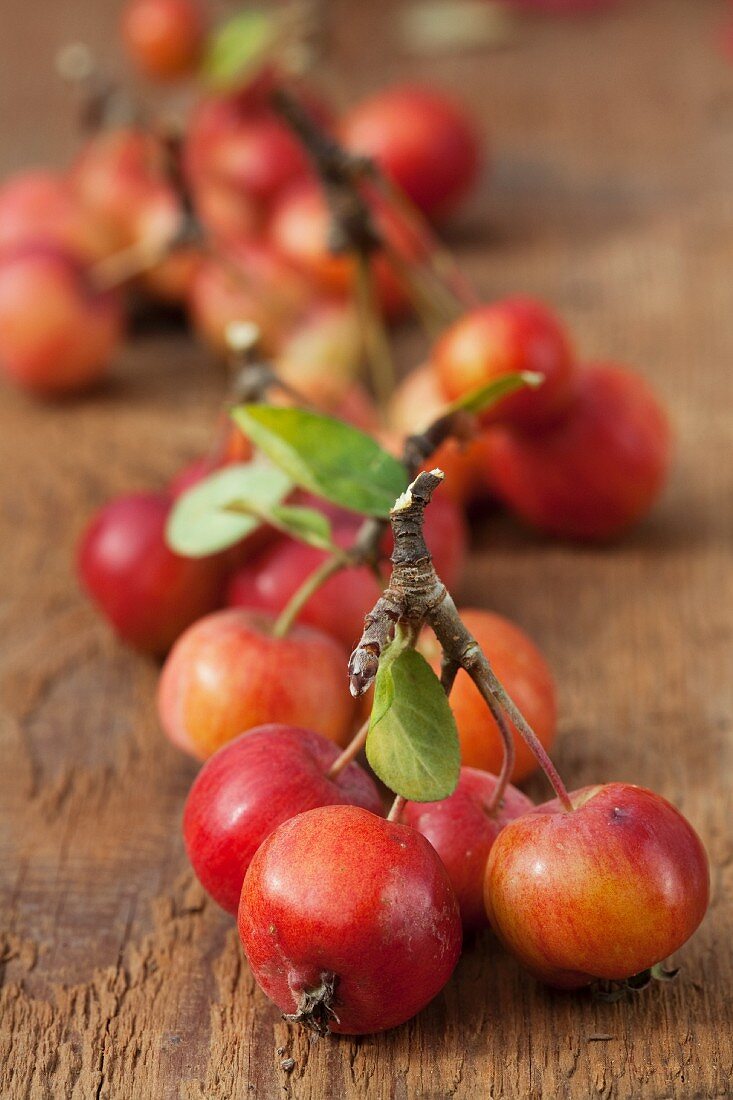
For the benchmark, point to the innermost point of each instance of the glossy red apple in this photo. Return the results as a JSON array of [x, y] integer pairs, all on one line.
[[507, 336], [595, 472], [349, 919], [229, 673], [462, 829], [422, 140], [249, 787], [148, 593], [605, 891], [268, 580], [57, 332], [164, 38]]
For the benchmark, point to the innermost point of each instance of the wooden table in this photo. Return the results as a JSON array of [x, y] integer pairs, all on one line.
[[611, 195]]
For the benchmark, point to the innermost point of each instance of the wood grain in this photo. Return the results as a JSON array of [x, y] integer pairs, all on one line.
[[611, 195]]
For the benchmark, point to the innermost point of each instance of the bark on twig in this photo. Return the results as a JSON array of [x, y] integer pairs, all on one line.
[[415, 596]]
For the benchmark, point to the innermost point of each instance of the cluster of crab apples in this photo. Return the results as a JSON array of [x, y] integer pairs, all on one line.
[[352, 918]]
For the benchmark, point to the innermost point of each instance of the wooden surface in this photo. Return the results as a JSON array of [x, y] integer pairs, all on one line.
[[612, 196]]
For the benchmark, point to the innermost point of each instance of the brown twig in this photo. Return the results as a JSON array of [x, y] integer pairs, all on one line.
[[416, 595]]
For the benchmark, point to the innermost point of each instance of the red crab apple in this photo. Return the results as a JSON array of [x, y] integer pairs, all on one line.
[[164, 38], [246, 282], [462, 829], [148, 593], [604, 891], [38, 206], [422, 140], [349, 921], [299, 230], [121, 177], [338, 607], [522, 670], [249, 787], [514, 334], [57, 333], [320, 355], [239, 157], [598, 470], [229, 673]]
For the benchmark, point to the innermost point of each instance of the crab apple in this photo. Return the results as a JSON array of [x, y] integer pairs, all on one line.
[[606, 890], [57, 333], [229, 673], [597, 471], [299, 230], [41, 207], [513, 334], [419, 400], [338, 607], [239, 157], [246, 282], [462, 829], [164, 38], [148, 593], [524, 673], [121, 177], [349, 921], [249, 787], [320, 355], [423, 141]]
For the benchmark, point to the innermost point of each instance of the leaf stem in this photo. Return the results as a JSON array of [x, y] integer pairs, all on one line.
[[374, 334], [396, 809], [300, 597], [440, 260], [532, 740], [351, 751]]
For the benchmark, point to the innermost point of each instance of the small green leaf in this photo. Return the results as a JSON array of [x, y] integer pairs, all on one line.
[[325, 456], [307, 524], [413, 741], [481, 399], [201, 522], [237, 49]]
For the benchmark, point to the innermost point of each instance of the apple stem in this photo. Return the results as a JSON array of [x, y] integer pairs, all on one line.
[[508, 758], [351, 751], [448, 672], [532, 740], [396, 808], [376, 342], [310, 585], [440, 260]]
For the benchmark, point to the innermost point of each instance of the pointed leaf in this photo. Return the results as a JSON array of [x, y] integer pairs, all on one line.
[[325, 456], [237, 49], [413, 741], [483, 398], [201, 522], [307, 524]]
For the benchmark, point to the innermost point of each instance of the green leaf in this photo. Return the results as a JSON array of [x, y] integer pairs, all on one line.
[[325, 456], [484, 397], [413, 741], [237, 49], [307, 524], [203, 521]]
